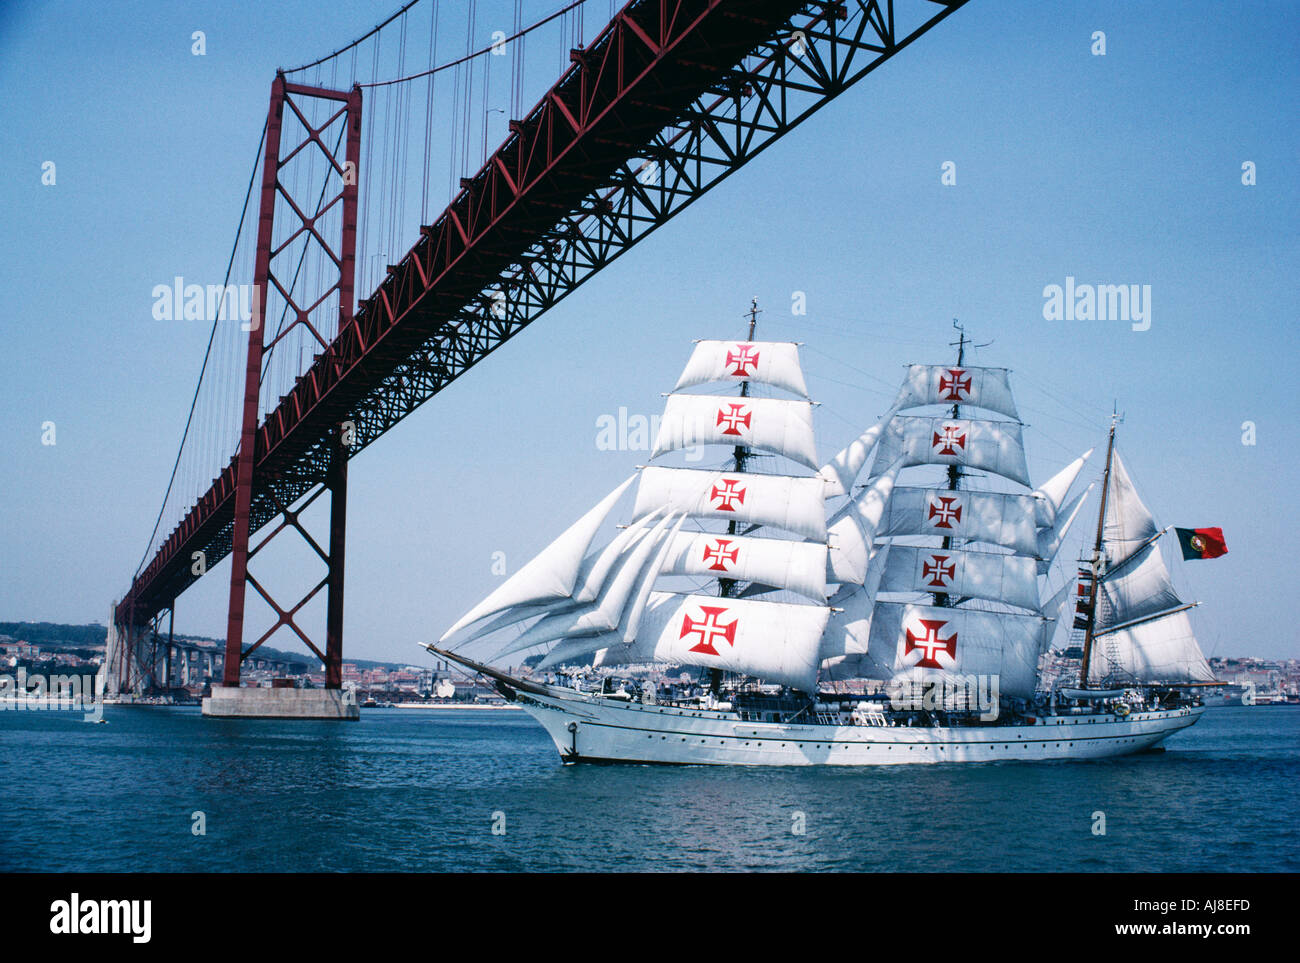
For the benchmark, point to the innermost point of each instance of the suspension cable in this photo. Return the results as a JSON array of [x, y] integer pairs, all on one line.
[[479, 53], [252, 179], [355, 43]]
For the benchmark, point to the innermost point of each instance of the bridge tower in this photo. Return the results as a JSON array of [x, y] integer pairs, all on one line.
[[280, 250]]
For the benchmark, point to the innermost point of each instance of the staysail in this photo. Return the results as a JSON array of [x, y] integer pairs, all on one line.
[[552, 573], [1140, 631], [842, 471], [853, 529], [1051, 495]]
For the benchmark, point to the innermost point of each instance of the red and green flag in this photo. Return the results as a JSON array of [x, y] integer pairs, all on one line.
[[1202, 542]]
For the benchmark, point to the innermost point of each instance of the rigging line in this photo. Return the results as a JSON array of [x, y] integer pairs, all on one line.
[[1036, 385], [469, 92], [846, 364], [516, 51], [401, 145], [428, 114], [355, 43], [478, 53], [252, 179], [365, 201]]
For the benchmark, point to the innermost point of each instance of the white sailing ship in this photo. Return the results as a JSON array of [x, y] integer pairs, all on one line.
[[835, 615]]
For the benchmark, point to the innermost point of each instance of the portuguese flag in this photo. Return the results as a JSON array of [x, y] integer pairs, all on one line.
[[1202, 542]]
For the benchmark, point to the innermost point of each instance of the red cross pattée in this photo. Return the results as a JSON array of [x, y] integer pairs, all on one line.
[[950, 441], [710, 629], [930, 645], [727, 495], [744, 360], [945, 510], [721, 554], [733, 417], [939, 570], [952, 385]]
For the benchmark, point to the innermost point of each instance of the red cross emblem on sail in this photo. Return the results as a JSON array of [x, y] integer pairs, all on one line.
[[938, 571], [733, 417], [728, 495], [710, 629], [953, 385], [721, 554], [743, 361], [944, 511], [951, 440], [930, 645]]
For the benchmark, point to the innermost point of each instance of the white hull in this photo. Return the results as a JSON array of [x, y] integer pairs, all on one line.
[[587, 728]]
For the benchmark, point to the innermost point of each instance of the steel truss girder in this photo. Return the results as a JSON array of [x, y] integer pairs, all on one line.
[[427, 324]]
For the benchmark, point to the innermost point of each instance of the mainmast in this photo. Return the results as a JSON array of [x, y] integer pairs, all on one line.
[[1097, 557], [954, 471], [740, 456]]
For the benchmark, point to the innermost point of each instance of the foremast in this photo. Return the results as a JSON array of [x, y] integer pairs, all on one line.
[[740, 458]]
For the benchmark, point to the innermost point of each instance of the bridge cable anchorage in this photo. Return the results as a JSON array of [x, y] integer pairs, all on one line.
[[206, 354]]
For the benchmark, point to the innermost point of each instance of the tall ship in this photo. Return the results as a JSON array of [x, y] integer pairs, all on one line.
[[888, 606]]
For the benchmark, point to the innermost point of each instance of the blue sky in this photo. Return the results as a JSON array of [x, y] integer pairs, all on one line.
[[1122, 169]]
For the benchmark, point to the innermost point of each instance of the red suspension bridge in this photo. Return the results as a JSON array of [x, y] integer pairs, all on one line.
[[662, 103]]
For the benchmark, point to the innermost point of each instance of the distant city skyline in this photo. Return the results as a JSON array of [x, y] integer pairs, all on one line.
[[1068, 169]]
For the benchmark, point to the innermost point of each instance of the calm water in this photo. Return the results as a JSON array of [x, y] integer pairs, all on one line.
[[415, 790]]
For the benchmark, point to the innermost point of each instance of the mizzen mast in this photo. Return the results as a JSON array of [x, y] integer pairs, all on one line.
[[1097, 558]]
